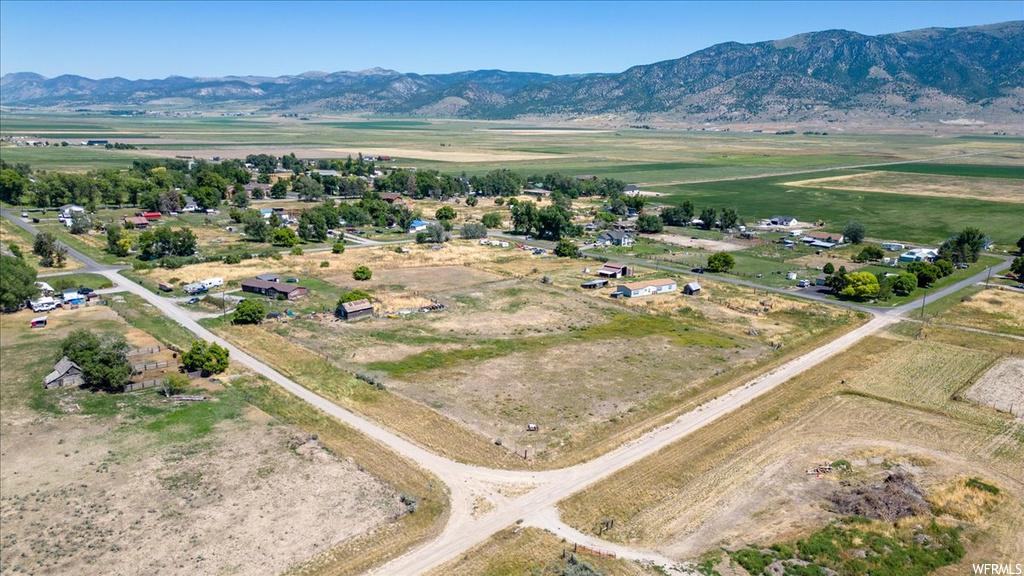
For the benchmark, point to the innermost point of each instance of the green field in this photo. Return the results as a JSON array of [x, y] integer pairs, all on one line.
[[968, 170]]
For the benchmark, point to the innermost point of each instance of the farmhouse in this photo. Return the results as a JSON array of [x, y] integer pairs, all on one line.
[[390, 197], [65, 373], [783, 221], [830, 237], [273, 289], [632, 190], [252, 186], [919, 255], [646, 288], [691, 288], [355, 309], [138, 222], [615, 238], [610, 270]]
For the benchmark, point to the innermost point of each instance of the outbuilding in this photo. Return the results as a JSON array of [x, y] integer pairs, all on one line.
[[691, 288], [65, 373], [355, 309], [594, 284], [646, 288], [610, 270]]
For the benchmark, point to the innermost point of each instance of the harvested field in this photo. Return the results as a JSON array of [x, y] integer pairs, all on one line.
[[478, 155], [992, 189], [742, 479], [992, 309], [422, 279], [1002, 387]]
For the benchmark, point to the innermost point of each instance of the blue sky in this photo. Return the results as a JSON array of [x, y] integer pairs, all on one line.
[[158, 39]]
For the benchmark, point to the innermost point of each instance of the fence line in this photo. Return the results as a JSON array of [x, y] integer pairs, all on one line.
[[141, 351]]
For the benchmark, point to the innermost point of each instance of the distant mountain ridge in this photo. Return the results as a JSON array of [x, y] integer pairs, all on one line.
[[833, 75]]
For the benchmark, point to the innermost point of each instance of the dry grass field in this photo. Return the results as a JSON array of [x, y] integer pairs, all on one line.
[[510, 349], [885, 402], [991, 189], [10, 234], [1001, 387], [993, 310], [91, 479]]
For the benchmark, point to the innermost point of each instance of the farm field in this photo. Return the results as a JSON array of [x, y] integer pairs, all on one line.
[[452, 368], [1002, 188], [990, 309], [887, 402], [84, 472]]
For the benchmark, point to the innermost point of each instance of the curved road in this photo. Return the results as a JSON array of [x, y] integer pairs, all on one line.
[[537, 506]]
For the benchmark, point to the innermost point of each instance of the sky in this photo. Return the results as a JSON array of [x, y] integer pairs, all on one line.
[[157, 39]]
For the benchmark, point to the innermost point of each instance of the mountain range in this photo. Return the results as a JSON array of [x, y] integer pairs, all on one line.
[[951, 74]]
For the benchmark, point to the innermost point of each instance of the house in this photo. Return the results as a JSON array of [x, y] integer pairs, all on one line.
[[417, 225], [71, 210], [390, 197], [252, 186], [190, 205], [615, 238], [39, 322], [821, 280], [537, 193], [919, 255], [150, 215], [646, 288], [832, 237], [355, 309], [273, 289], [328, 173], [594, 284], [893, 246], [65, 373], [268, 277], [691, 288], [820, 244], [632, 190], [138, 222], [783, 221], [610, 270]]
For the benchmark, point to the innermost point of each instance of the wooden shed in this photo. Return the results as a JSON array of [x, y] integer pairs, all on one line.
[[355, 309], [65, 373]]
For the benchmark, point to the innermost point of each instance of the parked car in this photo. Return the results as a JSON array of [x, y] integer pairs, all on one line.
[[193, 300], [291, 280], [24, 214], [85, 290]]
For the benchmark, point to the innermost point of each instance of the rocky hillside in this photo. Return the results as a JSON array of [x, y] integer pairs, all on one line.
[[931, 74]]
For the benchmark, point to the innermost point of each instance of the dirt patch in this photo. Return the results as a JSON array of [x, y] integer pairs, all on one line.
[[991, 189], [1002, 387], [993, 310], [449, 155], [424, 279], [895, 497], [701, 243], [253, 500]]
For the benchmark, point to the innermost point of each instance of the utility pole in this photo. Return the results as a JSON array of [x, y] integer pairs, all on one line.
[[989, 277], [923, 299]]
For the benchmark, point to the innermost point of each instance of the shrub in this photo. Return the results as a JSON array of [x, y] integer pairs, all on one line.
[[473, 230], [174, 384], [870, 253], [983, 486], [297, 251], [828, 268], [250, 312], [491, 220], [362, 273], [371, 381], [232, 258], [720, 262], [338, 248]]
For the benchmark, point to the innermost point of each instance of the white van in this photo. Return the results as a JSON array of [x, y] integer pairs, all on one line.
[[211, 283]]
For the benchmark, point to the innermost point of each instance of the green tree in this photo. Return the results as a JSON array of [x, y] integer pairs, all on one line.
[[860, 285], [279, 189], [828, 268], [208, 358], [472, 201], [473, 230], [240, 198], [554, 222], [362, 273], [870, 253], [353, 295], [837, 281], [255, 225], [284, 237], [114, 236], [12, 186], [649, 224], [524, 217], [491, 220], [313, 226], [445, 213], [904, 284], [43, 245], [309, 190], [945, 267], [338, 247], [1020, 245], [1017, 267], [17, 283], [677, 215], [567, 249], [926, 273], [854, 232], [250, 311], [433, 234], [104, 361], [729, 218], [708, 217], [720, 262], [174, 384], [964, 247]]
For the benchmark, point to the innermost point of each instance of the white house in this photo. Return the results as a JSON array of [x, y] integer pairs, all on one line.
[[615, 238], [417, 225], [919, 255], [784, 221], [646, 288]]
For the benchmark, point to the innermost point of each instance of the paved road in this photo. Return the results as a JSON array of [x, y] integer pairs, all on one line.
[[466, 483], [89, 264]]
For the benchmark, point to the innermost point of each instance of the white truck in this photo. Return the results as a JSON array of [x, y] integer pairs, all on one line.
[[211, 283], [44, 304]]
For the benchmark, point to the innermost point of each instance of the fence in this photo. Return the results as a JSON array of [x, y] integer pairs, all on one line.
[[141, 351], [152, 383], [144, 366]]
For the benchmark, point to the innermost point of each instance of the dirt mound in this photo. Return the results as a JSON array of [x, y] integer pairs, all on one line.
[[896, 497]]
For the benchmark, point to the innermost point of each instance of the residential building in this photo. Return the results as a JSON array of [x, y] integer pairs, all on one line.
[[273, 289], [783, 221], [615, 238], [610, 270], [919, 255], [830, 237], [646, 288], [138, 222], [417, 225]]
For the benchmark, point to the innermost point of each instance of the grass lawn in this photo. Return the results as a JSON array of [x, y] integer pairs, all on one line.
[[78, 280]]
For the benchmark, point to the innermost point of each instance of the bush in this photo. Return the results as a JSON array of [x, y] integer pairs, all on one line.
[[297, 251], [567, 249], [720, 262], [828, 268], [250, 312], [474, 230], [870, 253], [353, 295], [977, 484], [232, 258], [174, 384], [362, 273], [208, 358], [491, 220], [338, 248], [371, 381]]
